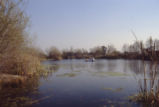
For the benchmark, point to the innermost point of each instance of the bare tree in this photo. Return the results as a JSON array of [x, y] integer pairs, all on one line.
[[110, 49], [156, 42], [150, 43], [125, 48]]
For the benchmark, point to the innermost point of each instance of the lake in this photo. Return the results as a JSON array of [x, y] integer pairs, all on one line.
[[76, 83]]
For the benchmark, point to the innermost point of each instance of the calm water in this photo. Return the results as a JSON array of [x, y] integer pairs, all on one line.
[[76, 83]]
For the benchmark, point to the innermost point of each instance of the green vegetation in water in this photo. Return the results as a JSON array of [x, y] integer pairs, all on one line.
[[116, 74], [77, 71], [114, 90], [67, 75], [132, 97], [109, 74]]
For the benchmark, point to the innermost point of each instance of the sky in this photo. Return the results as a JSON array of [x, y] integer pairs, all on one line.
[[89, 23]]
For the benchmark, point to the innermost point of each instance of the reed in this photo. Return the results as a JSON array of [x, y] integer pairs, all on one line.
[[148, 92]]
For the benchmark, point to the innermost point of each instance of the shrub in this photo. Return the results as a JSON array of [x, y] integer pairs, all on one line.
[[16, 56]]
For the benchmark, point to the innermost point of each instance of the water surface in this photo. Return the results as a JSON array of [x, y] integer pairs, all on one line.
[[76, 83]]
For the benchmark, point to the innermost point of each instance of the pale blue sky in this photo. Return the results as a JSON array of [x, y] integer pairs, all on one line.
[[89, 23]]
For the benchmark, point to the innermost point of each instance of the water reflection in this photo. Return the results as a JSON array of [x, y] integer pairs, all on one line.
[[136, 66], [78, 66], [111, 65], [148, 82], [98, 66], [19, 96], [26, 93], [79, 83], [112, 80]]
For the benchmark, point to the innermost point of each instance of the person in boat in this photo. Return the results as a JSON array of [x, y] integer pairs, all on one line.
[[93, 59], [90, 59]]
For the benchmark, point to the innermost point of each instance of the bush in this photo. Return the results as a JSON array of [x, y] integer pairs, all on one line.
[[54, 53], [16, 56]]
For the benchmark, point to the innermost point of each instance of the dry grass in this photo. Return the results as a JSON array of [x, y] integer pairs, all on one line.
[[21, 63], [148, 92]]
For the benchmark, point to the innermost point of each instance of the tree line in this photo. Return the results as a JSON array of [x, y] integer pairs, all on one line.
[[137, 50], [97, 52]]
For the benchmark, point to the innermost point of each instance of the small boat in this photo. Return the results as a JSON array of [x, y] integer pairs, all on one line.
[[93, 59], [90, 60]]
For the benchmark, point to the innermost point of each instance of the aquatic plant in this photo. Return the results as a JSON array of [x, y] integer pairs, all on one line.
[[113, 74], [148, 86], [114, 90], [67, 75], [148, 92]]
